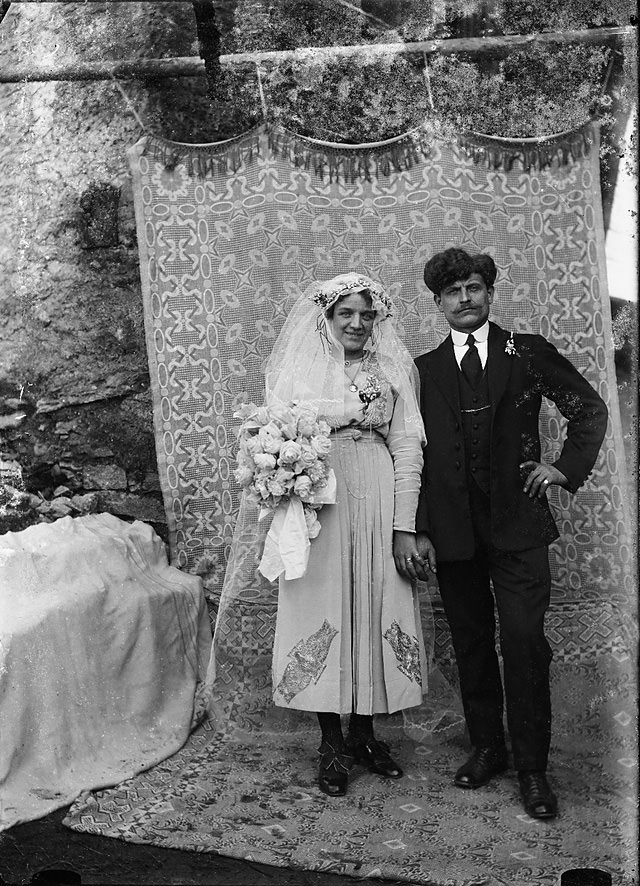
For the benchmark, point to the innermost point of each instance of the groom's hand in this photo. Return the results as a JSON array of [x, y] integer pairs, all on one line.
[[427, 552], [406, 554], [540, 477]]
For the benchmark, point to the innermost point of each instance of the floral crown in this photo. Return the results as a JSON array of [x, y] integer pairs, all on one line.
[[328, 292]]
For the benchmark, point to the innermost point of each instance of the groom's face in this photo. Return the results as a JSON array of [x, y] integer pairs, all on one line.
[[466, 303]]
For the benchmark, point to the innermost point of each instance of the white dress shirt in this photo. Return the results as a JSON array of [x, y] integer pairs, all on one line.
[[460, 346]]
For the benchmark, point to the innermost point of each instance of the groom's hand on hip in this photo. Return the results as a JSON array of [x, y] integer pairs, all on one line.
[[539, 477]]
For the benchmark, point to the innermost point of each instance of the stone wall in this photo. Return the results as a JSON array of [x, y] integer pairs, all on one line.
[[75, 408]]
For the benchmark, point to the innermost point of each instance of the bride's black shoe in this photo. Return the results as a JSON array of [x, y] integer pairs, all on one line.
[[333, 773], [374, 754]]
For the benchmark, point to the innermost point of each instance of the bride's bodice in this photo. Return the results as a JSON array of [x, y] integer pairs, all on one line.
[[381, 410]]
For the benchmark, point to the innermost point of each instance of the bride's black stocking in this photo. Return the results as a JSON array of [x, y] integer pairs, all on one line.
[[331, 729], [361, 726]]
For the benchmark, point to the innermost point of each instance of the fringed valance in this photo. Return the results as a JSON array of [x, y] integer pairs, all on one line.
[[529, 153], [205, 160], [350, 163]]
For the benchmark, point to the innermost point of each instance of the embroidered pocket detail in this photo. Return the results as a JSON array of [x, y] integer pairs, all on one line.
[[406, 650], [307, 663]]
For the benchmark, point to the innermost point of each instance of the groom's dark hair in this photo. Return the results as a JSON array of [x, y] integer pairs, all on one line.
[[453, 264]]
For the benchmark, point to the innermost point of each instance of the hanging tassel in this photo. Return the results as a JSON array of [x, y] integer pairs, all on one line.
[[204, 161], [350, 164], [502, 154]]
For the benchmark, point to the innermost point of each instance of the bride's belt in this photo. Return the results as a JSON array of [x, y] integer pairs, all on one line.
[[357, 435]]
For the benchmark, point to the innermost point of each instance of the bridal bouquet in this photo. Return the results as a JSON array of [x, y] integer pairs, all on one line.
[[282, 465]]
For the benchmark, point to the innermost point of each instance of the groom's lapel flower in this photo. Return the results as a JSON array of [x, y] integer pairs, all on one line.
[[510, 347]]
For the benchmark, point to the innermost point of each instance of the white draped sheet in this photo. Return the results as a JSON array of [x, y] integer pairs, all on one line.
[[103, 649]]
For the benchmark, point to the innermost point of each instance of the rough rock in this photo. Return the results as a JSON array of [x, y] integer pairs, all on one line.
[[15, 509], [61, 507], [12, 421], [104, 477], [150, 510], [86, 504]]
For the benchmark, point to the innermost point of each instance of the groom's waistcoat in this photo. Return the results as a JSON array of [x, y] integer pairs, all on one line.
[[475, 406]]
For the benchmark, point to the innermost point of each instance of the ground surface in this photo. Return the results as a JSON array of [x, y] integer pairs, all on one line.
[[29, 848]]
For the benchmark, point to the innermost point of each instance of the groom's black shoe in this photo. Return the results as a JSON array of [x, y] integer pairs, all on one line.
[[537, 796], [481, 766]]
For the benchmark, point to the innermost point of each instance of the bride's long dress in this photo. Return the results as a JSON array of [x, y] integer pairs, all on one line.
[[348, 633]]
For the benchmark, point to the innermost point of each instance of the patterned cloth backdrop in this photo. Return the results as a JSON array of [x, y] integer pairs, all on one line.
[[230, 233]]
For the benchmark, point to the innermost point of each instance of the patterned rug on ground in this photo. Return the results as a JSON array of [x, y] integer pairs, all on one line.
[[245, 800]]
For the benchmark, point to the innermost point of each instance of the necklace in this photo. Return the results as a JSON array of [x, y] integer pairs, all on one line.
[[353, 387]]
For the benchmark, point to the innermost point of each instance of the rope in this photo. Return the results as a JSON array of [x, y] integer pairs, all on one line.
[[263, 101], [129, 103], [427, 80]]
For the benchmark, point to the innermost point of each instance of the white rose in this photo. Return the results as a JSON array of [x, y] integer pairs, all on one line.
[[321, 445], [264, 461], [290, 431], [243, 475], [252, 445], [290, 452], [275, 487], [270, 438], [307, 426], [283, 475], [303, 487], [308, 456], [316, 473]]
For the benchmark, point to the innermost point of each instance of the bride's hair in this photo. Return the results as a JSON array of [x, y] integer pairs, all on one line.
[[330, 310]]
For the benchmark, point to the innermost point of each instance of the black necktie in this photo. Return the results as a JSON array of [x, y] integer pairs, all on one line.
[[470, 363]]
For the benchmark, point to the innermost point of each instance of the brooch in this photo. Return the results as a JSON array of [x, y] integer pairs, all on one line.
[[371, 391], [510, 347]]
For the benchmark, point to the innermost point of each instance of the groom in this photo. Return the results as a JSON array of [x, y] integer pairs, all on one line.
[[483, 512]]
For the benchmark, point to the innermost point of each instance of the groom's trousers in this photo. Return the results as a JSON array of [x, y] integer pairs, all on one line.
[[521, 586]]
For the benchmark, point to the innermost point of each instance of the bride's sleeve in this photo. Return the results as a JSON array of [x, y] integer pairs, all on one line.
[[406, 452]]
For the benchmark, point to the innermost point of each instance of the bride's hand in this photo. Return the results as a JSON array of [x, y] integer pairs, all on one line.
[[408, 561]]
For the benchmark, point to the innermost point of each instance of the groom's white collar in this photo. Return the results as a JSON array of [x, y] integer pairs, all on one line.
[[480, 335]]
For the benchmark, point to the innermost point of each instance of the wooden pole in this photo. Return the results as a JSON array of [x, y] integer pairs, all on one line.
[[193, 66]]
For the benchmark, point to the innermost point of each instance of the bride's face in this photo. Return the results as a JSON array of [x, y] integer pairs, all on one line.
[[352, 322]]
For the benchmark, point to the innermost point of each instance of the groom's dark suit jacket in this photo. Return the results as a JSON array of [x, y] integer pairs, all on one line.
[[517, 382]]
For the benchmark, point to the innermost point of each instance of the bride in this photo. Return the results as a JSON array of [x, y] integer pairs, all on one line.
[[348, 637]]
